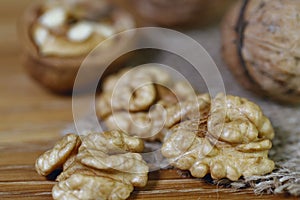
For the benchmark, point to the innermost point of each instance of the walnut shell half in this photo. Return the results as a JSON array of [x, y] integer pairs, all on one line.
[[56, 38], [260, 46]]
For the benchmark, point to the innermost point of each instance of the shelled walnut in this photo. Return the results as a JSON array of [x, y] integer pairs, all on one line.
[[100, 166], [230, 141], [136, 100], [86, 187], [58, 35], [55, 157], [260, 46], [176, 12]]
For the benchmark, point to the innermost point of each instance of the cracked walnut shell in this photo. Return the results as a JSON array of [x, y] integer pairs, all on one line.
[[57, 36], [229, 142], [260, 46]]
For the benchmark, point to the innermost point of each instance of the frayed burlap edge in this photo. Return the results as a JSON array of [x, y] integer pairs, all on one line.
[[285, 178], [282, 180]]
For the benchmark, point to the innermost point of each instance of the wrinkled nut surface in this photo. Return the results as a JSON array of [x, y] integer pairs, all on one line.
[[135, 178], [128, 162], [170, 13], [136, 101], [240, 121], [85, 187], [100, 166], [189, 109], [231, 141], [260, 45], [112, 142], [56, 157], [147, 126], [135, 91], [128, 168]]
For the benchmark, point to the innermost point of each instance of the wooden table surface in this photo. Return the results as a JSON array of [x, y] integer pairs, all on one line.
[[31, 120]]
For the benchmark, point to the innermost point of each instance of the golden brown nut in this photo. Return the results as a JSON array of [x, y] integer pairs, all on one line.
[[176, 12], [240, 121], [136, 100], [57, 156], [100, 166], [149, 126], [260, 47], [106, 152], [240, 148], [86, 187], [189, 109], [58, 35], [137, 178], [127, 162], [113, 142], [132, 90]]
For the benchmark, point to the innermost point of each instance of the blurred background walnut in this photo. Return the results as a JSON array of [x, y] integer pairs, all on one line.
[[260, 46], [96, 166], [172, 13], [229, 142], [58, 35], [136, 101]]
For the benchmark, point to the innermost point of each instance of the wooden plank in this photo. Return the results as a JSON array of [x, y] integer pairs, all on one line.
[[155, 189]]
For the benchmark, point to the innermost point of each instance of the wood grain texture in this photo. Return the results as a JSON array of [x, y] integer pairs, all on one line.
[[30, 122]]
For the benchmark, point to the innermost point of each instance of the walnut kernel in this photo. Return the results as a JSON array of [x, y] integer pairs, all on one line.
[[56, 157], [85, 187], [100, 166], [58, 35], [240, 148], [136, 101]]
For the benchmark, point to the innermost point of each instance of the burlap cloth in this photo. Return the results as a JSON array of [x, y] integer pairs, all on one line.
[[285, 119]]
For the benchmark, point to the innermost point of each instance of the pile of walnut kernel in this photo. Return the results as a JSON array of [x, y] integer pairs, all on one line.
[[227, 137], [95, 166], [135, 101]]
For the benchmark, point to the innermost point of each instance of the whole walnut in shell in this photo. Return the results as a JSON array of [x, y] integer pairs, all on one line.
[[260, 46], [230, 141]]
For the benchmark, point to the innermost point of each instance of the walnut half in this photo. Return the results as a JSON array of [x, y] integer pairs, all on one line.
[[100, 166], [135, 100], [55, 157], [85, 187], [229, 142]]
